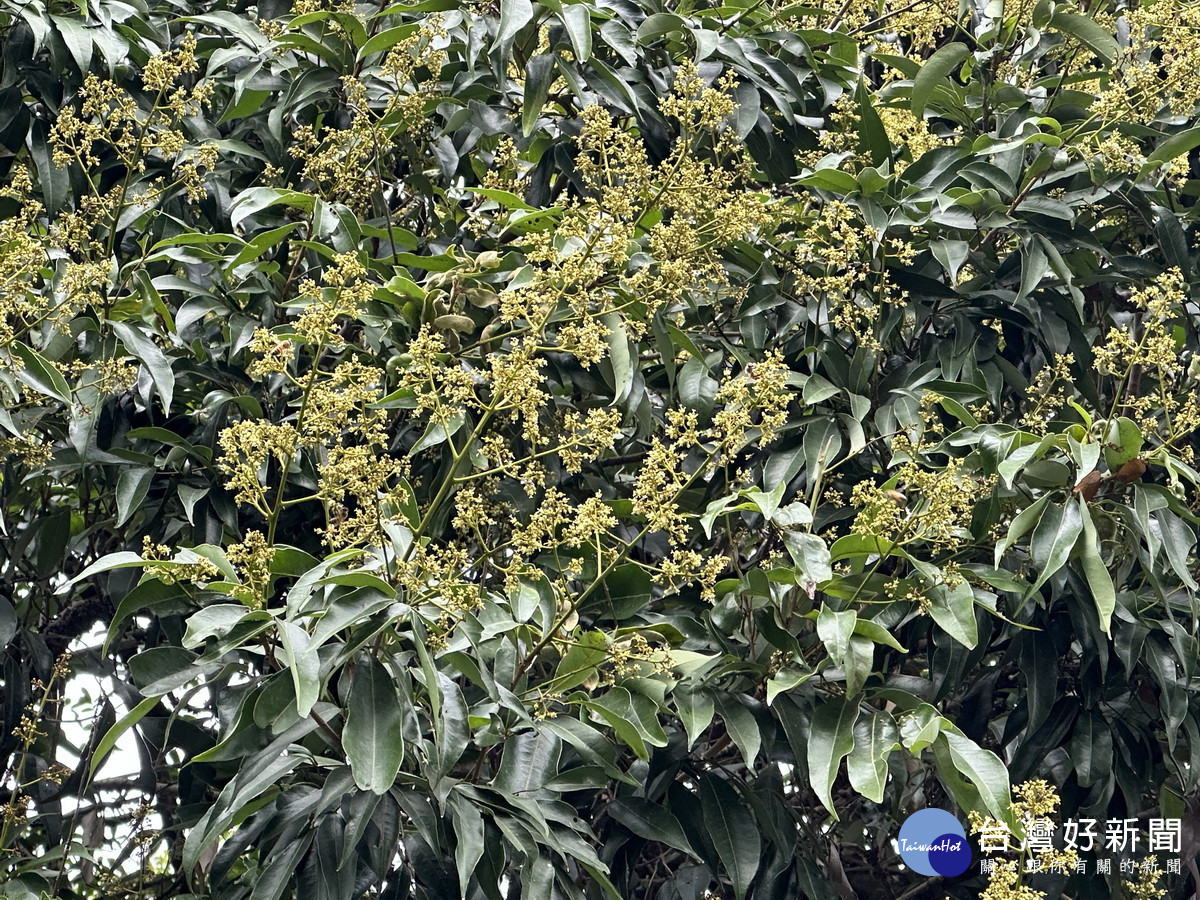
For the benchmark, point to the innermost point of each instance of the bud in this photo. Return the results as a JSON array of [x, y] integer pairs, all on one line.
[[488, 259]]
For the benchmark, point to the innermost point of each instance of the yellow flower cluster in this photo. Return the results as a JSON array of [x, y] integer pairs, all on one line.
[[688, 566], [1159, 71], [587, 437], [838, 264], [472, 513], [1144, 359], [627, 654], [344, 163], [659, 482], [556, 523], [271, 354], [931, 505], [1035, 799], [360, 472], [1048, 393], [252, 556], [757, 399], [21, 261], [681, 211], [110, 117], [695, 106], [346, 289], [246, 449], [907, 131], [31, 452], [1146, 886]]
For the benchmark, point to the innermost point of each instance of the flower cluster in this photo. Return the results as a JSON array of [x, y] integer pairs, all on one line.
[[1048, 393], [1158, 73], [757, 399], [252, 556], [838, 264], [1143, 357], [346, 163], [928, 504]]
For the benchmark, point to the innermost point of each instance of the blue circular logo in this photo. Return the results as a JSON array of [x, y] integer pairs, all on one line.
[[933, 842]]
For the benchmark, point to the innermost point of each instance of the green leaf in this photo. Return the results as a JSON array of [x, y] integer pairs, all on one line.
[[372, 736], [113, 734], [514, 15], [304, 663], [652, 822], [695, 710], [872, 136], [577, 20], [437, 433], [1178, 540], [875, 737], [621, 356], [468, 839], [254, 200], [953, 609], [539, 73], [1094, 36], [851, 545], [985, 770], [733, 832], [834, 180], [1055, 535], [1023, 521], [633, 718], [1090, 748], [1176, 145], [40, 374], [132, 487], [933, 73], [1104, 594], [530, 759], [920, 727], [741, 725], [625, 591], [1122, 442], [580, 662], [453, 734], [216, 620], [658, 24], [259, 244], [830, 740], [834, 629], [811, 556], [152, 357], [387, 39], [122, 559], [78, 38], [875, 632], [783, 681], [8, 622]]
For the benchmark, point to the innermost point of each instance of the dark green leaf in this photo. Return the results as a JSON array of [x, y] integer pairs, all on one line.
[[372, 736]]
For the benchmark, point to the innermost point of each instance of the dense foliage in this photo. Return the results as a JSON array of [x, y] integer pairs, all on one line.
[[584, 449]]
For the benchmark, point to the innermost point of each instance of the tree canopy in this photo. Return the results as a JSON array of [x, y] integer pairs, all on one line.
[[592, 448]]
